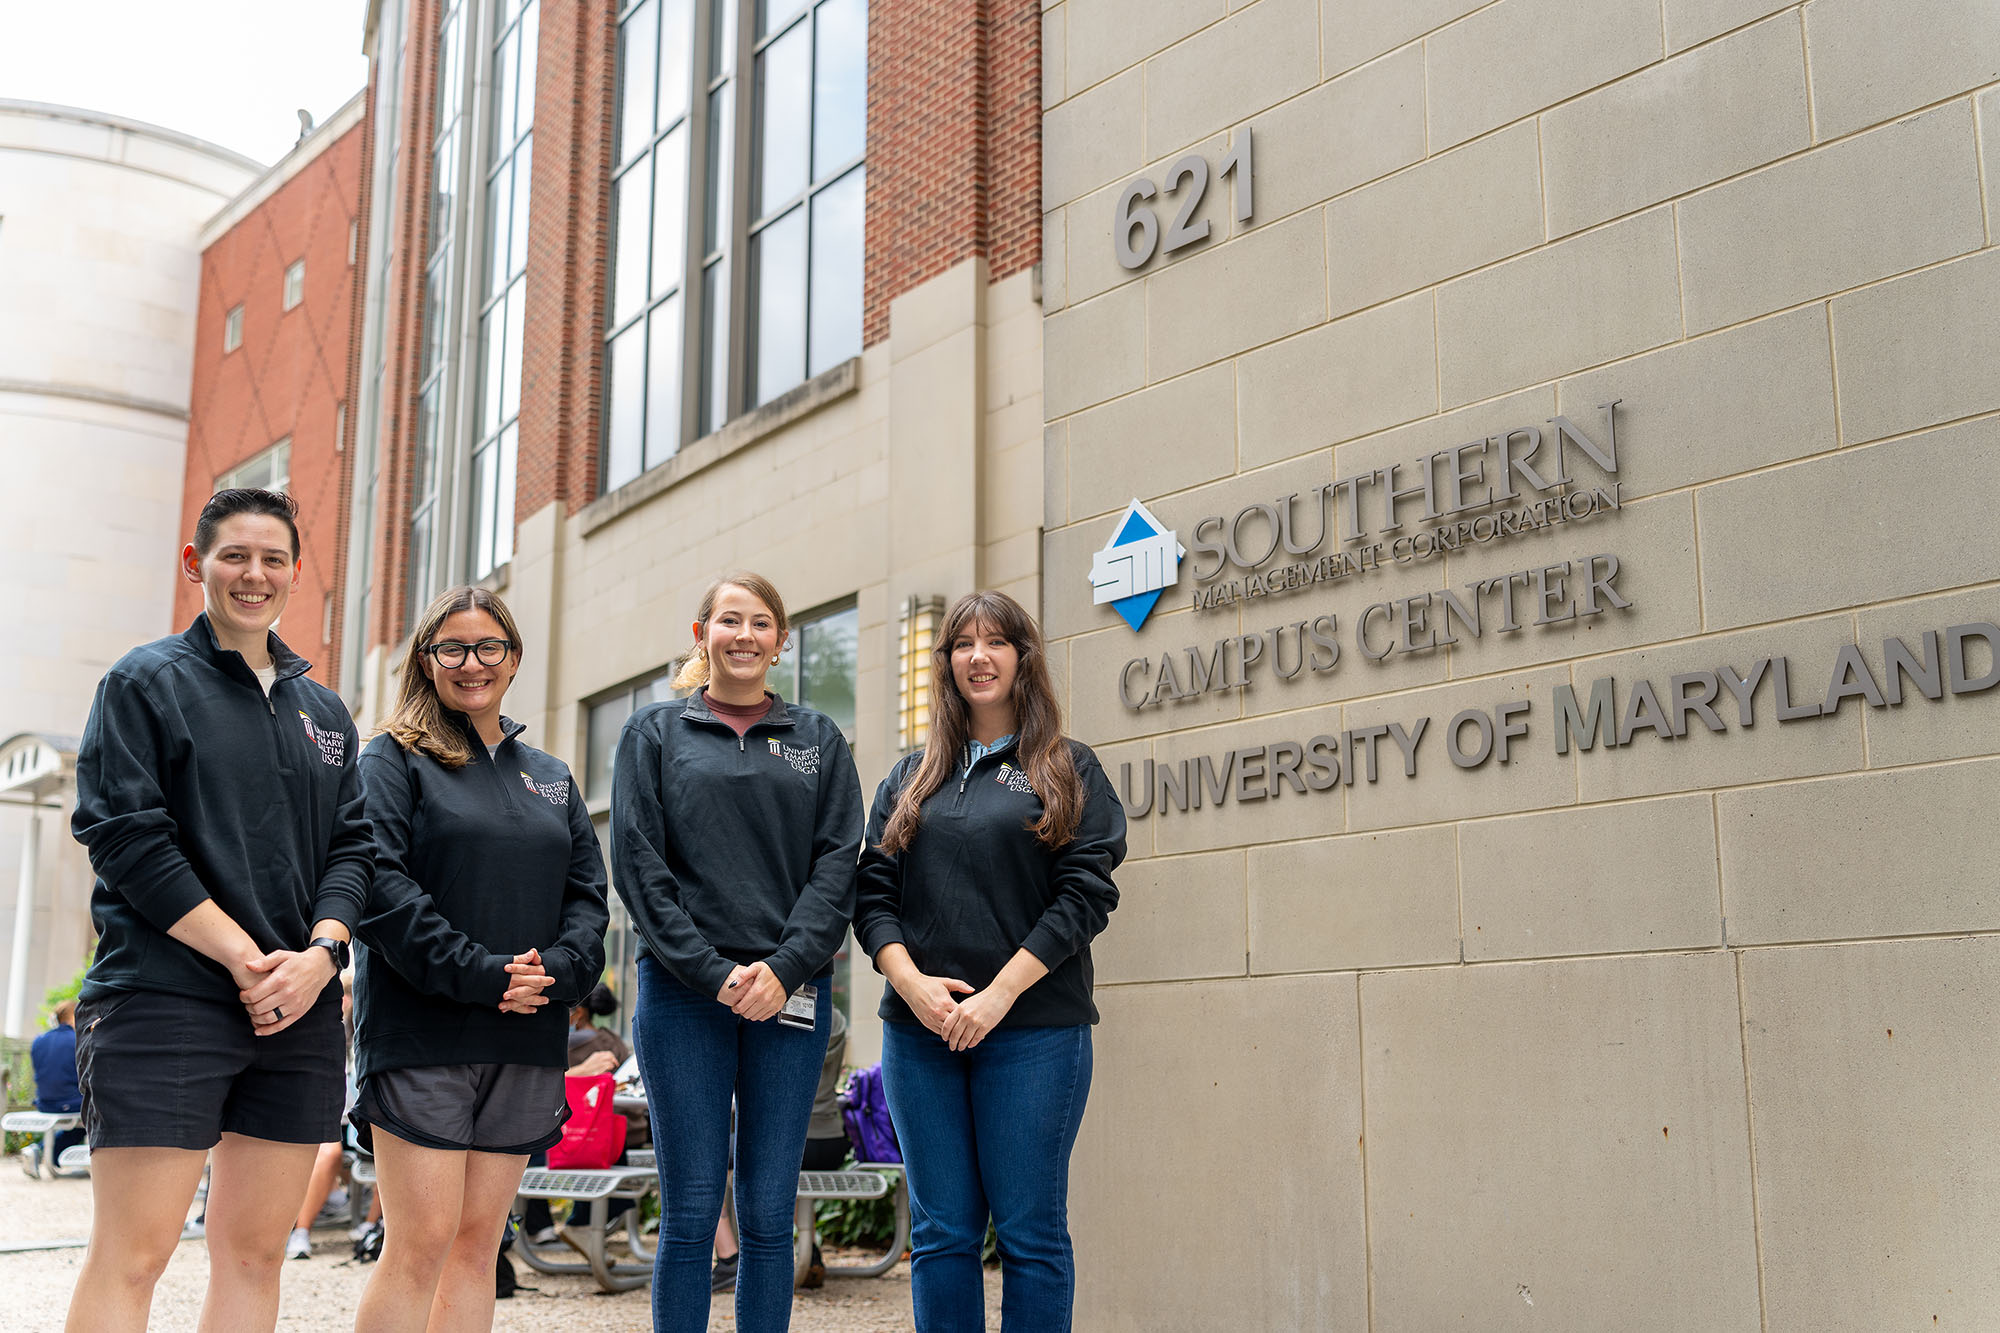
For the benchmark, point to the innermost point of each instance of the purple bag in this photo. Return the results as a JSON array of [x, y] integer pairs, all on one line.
[[865, 1112]]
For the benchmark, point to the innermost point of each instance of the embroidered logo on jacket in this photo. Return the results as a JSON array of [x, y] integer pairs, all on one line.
[[1014, 779], [555, 793], [332, 745], [803, 758]]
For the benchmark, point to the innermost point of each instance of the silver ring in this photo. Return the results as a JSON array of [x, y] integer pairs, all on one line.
[[276, 1012]]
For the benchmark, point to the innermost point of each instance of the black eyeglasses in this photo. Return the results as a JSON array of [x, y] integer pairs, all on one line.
[[490, 652]]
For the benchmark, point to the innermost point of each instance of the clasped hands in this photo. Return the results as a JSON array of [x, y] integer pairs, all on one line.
[[962, 1023], [278, 987]]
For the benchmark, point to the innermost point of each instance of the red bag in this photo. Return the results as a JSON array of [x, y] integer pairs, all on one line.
[[594, 1134]]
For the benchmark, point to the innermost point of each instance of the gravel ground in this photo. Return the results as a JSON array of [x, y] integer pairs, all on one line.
[[320, 1293]]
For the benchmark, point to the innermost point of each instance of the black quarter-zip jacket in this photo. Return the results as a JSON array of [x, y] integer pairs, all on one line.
[[976, 884], [472, 866], [192, 785], [731, 850]]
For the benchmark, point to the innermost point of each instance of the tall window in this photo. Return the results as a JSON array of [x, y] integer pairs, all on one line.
[[805, 254], [817, 666], [511, 145], [295, 283], [431, 400], [694, 337], [232, 330], [393, 37]]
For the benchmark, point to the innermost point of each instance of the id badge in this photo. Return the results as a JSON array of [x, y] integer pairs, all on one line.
[[801, 1010]]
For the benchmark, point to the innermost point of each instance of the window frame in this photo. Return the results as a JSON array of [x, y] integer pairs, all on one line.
[[707, 78], [295, 284], [232, 329], [792, 658]]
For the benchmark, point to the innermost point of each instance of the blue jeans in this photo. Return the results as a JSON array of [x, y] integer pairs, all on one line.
[[989, 1130], [694, 1053]]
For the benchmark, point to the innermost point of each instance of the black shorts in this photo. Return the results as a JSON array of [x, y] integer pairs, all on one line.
[[173, 1071], [509, 1109]]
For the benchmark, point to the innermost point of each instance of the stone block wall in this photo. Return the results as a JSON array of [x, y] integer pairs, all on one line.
[[1688, 1032]]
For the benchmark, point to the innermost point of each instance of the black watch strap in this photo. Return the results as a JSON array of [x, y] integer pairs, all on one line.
[[338, 948]]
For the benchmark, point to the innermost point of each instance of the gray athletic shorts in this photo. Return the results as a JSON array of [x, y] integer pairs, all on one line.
[[459, 1108]]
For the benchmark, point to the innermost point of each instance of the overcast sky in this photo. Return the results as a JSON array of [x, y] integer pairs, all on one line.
[[233, 72]]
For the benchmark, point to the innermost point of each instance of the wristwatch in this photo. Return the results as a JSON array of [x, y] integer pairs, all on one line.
[[338, 948]]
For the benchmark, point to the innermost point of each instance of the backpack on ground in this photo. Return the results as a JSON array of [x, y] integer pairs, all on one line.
[[865, 1113]]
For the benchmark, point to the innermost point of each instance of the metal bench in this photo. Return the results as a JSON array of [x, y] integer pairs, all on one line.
[[589, 1193], [868, 1180], [41, 1163]]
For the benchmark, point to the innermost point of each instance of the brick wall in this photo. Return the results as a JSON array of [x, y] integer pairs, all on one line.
[[291, 376], [954, 143]]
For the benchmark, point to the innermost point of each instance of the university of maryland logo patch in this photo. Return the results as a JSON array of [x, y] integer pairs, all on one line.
[[555, 793], [802, 758], [332, 745], [1014, 779]]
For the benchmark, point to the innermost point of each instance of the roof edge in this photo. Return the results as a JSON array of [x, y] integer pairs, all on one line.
[[85, 116]]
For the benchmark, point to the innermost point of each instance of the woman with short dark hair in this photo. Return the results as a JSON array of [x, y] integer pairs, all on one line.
[[217, 796], [486, 925], [985, 875]]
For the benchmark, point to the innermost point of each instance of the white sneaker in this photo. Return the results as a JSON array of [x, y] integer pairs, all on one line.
[[300, 1246]]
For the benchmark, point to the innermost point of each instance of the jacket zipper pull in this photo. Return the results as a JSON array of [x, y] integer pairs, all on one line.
[[739, 745]]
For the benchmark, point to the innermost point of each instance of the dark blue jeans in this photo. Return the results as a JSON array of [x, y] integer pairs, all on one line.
[[988, 1130], [694, 1053]]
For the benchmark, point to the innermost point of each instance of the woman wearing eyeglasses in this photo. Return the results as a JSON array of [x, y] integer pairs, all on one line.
[[486, 924]]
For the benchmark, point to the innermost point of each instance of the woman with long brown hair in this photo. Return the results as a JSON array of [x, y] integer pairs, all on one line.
[[985, 874], [735, 817], [486, 924]]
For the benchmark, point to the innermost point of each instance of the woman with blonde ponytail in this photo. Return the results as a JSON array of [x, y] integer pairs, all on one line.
[[735, 819]]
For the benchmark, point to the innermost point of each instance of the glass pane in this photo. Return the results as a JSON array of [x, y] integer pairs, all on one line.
[[784, 81], [506, 88], [424, 464], [606, 721], [510, 366], [499, 208], [670, 169], [420, 567], [524, 102], [638, 43], [524, 162], [721, 156], [840, 85], [444, 188], [484, 466], [715, 346], [628, 274], [503, 490], [492, 344], [451, 74], [779, 275], [775, 14], [663, 383], [436, 283], [676, 59], [625, 393], [826, 666], [837, 220], [722, 40]]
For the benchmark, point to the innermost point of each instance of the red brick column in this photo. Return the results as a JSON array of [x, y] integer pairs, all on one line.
[[954, 143]]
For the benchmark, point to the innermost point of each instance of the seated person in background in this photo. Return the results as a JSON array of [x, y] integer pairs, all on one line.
[[56, 1090]]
